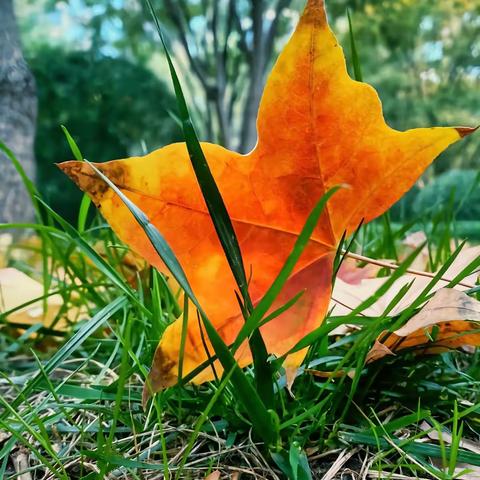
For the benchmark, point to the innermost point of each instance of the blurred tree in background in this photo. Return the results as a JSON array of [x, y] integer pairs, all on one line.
[[224, 47], [18, 108], [422, 57]]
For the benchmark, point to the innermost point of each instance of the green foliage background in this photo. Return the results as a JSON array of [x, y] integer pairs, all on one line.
[[112, 107], [104, 77]]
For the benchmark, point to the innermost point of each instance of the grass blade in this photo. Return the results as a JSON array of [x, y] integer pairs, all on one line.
[[86, 201], [70, 346], [222, 223], [272, 293], [357, 67]]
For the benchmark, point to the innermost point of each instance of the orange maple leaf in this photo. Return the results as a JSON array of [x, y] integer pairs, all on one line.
[[317, 128]]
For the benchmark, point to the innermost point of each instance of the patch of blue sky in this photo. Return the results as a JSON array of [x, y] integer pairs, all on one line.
[[432, 51]]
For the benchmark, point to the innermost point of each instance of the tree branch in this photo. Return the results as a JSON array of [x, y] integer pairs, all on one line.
[[196, 66], [272, 31]]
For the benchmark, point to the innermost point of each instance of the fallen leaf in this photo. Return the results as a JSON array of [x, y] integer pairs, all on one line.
[[347, 296], [17, 288], [378, 351], [410, 244], [350, 273], [215, 475], [317, 128], [450, 319]]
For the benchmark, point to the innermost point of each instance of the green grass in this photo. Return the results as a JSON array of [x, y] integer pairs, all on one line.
[[77, 409], [71, 402]]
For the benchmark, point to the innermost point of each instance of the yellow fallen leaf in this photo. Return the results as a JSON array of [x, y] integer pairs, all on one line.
[[17, 288]]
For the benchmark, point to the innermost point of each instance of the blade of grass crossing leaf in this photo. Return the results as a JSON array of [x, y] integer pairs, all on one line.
[[183, 338], [401, 270], [342, 252], [222, 222], [425, 293], [272, 293], [174, 308], [96, 259], [260, 416], [357, 68], [211, 194], [86, 201], [323, 329], [282, 309]]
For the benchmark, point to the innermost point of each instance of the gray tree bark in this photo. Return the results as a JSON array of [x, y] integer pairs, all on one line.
[[18, 111]]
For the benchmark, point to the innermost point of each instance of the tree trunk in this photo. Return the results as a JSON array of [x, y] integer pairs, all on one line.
[[18, 109], [248, 136]]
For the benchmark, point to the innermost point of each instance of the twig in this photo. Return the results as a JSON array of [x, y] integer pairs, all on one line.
[[394, 266]]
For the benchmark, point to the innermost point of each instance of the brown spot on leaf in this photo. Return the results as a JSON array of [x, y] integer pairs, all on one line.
[[465, 131], [88, 180], [162, 375]]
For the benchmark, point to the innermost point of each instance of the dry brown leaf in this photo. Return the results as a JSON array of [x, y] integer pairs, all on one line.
[[450, 319], [378, 351], [347, 296]]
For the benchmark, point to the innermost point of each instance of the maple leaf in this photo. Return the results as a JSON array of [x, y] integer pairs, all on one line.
[[317, 128]]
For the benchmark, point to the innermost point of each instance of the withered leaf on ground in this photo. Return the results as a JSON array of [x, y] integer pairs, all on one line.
[[355, 285], [16, 289], [449, 320]]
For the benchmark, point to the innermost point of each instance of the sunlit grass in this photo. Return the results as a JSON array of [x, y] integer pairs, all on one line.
[[78, 412]]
